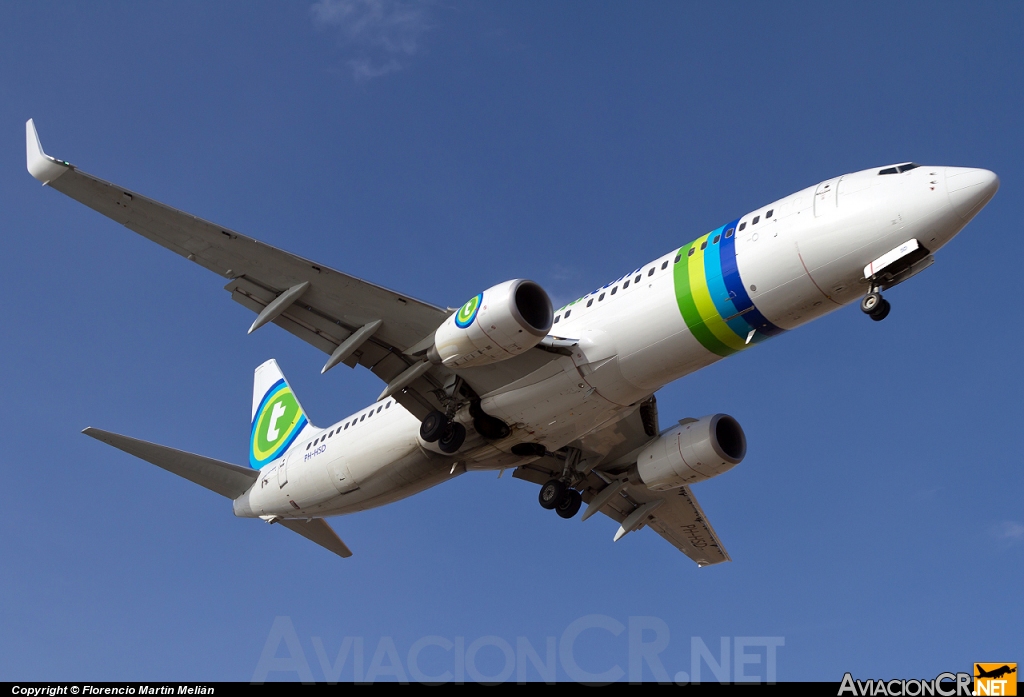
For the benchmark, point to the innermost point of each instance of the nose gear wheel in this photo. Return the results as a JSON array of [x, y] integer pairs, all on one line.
[[875, 306]]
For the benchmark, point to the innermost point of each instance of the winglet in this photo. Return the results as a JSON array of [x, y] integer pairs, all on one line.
[[40, 165]]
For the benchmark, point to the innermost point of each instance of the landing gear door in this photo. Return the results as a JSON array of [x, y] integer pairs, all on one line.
[[825, 200]]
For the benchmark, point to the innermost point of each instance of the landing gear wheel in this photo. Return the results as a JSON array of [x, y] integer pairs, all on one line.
[[881, 312], [433, 426], [871, 302], [452, 439], [569, 504], [551, 493]]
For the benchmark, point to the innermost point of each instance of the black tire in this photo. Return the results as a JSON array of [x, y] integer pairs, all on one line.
[[881, 312], [570, 504], [871, 302], [551, 493], [452, 438], [433, 426]]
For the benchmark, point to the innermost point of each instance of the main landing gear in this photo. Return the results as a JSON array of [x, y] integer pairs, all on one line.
[[438, 428], [555, 495], [875, 306]]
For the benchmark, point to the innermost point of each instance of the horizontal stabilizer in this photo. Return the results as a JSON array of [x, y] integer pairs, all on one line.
[[320, 532], [222, 477]]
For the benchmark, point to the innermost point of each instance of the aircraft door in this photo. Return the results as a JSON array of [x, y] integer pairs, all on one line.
[[825, 199], [282, 473]]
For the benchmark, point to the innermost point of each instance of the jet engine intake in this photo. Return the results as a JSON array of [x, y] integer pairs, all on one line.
[[695, 450], [503, 321]]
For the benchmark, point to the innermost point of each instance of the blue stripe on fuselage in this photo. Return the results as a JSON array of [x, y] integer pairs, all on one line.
[[738, 294]]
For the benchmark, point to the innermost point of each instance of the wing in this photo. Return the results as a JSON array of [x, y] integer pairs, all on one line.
[[350, 319], [675, 515]]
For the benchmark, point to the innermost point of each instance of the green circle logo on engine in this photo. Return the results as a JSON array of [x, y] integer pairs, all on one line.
[[467, 313]]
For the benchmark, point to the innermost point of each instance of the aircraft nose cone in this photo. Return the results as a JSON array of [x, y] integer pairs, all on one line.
[[970, 189]]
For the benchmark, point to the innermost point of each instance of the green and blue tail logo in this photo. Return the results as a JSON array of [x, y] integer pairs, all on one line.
[[277, 420]]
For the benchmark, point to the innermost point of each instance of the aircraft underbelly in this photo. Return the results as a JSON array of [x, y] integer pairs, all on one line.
[[550, 406]]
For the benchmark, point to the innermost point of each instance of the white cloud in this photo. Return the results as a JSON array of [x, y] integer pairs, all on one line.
[[365, 69], [381, 34], [1010, 531]]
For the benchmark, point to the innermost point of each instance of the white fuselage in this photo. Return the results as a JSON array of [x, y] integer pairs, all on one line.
[[771, 270]]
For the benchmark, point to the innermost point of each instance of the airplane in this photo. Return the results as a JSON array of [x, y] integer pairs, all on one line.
[[995, 673], [565, 398]]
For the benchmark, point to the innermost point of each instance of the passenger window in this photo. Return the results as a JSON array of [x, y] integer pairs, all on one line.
[[361, 418], [615, 289], [330, 434], [769, 214], [678, 257], [590, 302], [637, 279], [742, 225], [370, 414], [715, 241], [309, 445], [625, 285], [728, 233], [567, 313], [692, 250], [704, 244], [557, 317], [600, 297], [756, 218], [379, 408], [346, 426], [664, 265], [387, 405], [651, 272]]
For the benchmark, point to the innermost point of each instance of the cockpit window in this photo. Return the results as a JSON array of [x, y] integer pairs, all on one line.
[[906, 167]]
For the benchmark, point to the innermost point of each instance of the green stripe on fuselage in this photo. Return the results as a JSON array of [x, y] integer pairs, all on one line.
[[687, 306]]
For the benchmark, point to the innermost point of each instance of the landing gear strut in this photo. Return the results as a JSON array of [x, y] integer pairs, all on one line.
[[875, 306], [438, 428]]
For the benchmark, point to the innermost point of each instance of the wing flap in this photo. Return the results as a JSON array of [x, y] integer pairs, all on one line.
[[221, 477]]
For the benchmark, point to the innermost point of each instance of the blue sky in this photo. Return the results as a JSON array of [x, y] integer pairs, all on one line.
[[440, 148]]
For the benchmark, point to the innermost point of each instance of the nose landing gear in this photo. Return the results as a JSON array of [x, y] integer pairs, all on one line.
[[875, 306]]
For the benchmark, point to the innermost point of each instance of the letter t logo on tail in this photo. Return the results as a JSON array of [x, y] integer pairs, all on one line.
[[277, 418], [276, 413]]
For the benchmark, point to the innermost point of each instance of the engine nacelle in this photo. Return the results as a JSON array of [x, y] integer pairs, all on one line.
[[695, 450], [503, 321]]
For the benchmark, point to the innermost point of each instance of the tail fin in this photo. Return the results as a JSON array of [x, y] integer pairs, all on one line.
[[277, 417]]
